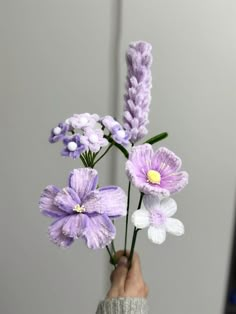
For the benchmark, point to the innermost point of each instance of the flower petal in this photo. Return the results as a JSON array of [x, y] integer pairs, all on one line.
[[99, 232], [66, 200], [56, 235], [140, 157], [140, 218], [46, 202], [168, 206], [109, 200], [156, 235], [175, 182], [140, 182], [174, 226], [165, 161], [113, 200], [83, 181], [75, 226], [151, 202]]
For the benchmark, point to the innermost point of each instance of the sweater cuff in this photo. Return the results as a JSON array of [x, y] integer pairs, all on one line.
[[123, 306]]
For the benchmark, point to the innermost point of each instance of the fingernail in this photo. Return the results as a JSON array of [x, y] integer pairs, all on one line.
[[123, 261]]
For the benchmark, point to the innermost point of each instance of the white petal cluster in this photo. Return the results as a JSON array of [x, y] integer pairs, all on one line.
[[157, 217]]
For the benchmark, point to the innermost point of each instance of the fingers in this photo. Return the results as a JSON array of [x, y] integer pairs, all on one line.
[[118, 278], [127, 281], [135, 269]]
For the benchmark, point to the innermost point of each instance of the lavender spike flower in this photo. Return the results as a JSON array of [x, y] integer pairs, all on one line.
[[138, 87]]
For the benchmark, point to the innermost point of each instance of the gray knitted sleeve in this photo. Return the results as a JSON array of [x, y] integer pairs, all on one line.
[[123, 306]]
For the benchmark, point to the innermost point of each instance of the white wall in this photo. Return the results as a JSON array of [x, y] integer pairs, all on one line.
[[55, 61]]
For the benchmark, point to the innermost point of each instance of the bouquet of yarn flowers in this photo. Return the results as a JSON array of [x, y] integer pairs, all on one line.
[[82, 210]]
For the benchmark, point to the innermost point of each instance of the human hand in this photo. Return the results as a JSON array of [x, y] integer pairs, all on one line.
[[127, 281]]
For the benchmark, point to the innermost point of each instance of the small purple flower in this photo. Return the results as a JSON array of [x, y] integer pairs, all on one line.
[[82, 211], [155, 173], [73, 147], [58, 133], [138, 89], [119, 135], [93, 139], [81, 121]]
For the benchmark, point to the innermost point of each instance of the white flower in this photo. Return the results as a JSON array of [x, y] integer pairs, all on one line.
[[157, 216], [81, 121]]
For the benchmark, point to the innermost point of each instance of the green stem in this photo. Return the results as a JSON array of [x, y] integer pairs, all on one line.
[[127, 219], [111, 257], [133, 245], [135, 233], [109, 147], [120, 147], [113, 247], [83, 160]]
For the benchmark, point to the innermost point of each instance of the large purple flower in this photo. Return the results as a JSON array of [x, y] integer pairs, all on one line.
[[155, 173], [82, 211]]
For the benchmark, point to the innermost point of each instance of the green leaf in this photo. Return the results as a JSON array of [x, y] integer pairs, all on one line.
[[157, 138]]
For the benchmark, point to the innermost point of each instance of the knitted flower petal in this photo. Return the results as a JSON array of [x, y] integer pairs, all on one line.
[[175, 182], [174, 226], [75, 226], [109, 200], [56, 235], [141, 157], [168, 206], [46, 202], [100, 231], [140, 218], [139, 180], [114, 200], [165, 161], [83, 181], [66, 200], [157, 235], [151, 202]]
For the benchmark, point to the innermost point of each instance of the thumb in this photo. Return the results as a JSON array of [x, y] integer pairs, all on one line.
[[119, 275]]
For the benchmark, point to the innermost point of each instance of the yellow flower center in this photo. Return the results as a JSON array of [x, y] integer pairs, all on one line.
[[153, 176], [79, 209]]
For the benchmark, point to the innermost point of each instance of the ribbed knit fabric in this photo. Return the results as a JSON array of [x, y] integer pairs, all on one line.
[[123, 306]]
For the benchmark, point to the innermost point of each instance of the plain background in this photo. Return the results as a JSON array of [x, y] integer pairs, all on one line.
[[61, 57]]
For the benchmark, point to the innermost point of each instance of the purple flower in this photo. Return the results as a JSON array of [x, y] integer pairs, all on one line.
[[155, 173], [138, 88], [73, 147], [58, 133], [82, 211], [119, 135], [93, 139], [81, 121]]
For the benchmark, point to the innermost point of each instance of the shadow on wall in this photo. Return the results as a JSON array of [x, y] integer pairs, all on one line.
[[230, 302]]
